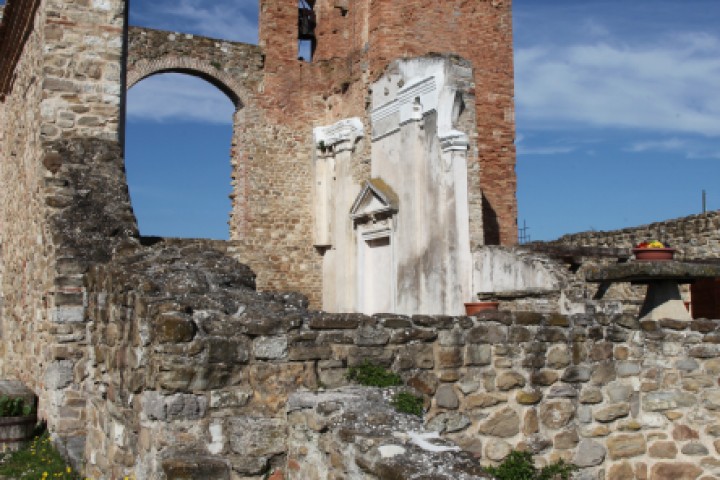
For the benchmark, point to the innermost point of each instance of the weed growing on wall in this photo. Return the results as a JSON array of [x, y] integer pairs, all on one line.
[[519, 466], [406, 402], [373, 376]]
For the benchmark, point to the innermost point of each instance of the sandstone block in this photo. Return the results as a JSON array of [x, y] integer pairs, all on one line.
[[530, 422], [257, 437], [531, 397], [591, 395], [562, 391], [694, 449], [270, 348], [621, 471], [603, 374], [484, 400], [544, 378], [667, 400], [503, 423], [497, 450], [683, 432], [626, 446], [612, 412], [534, 444], [195, 468], [310, 352], [445, 397], [59, 374], [558, 357], [566, 440], [711, 399], [424, 382], [449, 357], [509, 380], [589, 454], [448, 422], [663, 450], [576, 374], [556, 414], [450, 338], [368, 336], [487, 334], [478, 354], [675, 471], [619, 393]]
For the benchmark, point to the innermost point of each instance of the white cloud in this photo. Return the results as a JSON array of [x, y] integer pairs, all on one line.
[[227, 20], [671, 144], [689, 148], [176, 97], [670, 86], [523, 150]]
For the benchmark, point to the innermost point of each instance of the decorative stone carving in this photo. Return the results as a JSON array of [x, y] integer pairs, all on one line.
[[375, 200], [341, 135]]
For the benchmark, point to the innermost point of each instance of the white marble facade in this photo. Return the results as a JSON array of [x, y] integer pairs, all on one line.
[[400, 242]]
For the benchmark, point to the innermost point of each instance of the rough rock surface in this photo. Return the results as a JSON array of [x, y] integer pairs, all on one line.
[[365, 436]]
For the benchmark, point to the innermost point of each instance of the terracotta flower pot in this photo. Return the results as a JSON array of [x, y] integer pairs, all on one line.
[[654, 254], [472, 308]]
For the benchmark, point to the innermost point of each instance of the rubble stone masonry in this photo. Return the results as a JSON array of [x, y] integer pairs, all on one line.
[[65, 199], [695, 236], [194, 371]]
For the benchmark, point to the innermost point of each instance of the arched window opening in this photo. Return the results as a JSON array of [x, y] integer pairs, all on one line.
[[177, 145]]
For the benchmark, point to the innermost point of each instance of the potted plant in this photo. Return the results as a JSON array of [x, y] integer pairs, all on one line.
[[653, 251], [18, 419]]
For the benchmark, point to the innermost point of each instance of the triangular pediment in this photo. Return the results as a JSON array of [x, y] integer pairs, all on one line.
[[375, 198]]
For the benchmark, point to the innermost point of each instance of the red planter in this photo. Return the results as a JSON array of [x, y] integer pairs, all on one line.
[[472, 308], [654, 254]]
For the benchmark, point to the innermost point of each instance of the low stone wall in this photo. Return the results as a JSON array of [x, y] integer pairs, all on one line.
[[191, 370], [695, 236]]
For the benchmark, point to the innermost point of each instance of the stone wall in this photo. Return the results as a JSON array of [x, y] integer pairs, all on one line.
[[68, 204], [235, 68], [695, 236], [182, 351]]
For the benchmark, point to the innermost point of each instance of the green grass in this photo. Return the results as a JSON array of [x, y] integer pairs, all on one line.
[[38, 460]]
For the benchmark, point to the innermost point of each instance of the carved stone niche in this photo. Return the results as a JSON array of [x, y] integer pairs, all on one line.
[[373, 216]]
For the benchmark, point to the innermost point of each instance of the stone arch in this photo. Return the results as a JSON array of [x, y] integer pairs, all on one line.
[[145, 68]]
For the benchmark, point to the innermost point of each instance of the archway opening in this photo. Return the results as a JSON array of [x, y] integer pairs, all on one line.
[[178, 137]]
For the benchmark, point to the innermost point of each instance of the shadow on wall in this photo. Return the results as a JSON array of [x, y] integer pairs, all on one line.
[[491, 226]]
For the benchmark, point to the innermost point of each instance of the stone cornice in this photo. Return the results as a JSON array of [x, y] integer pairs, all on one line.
[[15, 29]]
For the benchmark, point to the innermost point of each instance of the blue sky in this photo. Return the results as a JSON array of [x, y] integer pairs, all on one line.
[[617, 111]]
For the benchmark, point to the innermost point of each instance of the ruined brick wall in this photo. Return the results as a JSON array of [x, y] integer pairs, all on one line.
[[695, 236], [355, 43], [281, 98], [195, 378], [364, 37]]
